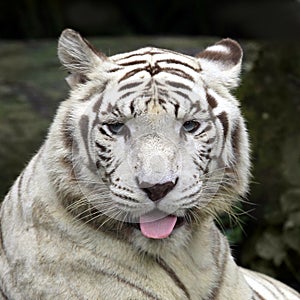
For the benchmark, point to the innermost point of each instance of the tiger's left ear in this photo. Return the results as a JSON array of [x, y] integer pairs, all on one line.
[[221, 63]]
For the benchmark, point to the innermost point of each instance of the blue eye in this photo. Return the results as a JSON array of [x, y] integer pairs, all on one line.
[[115, 128], [190, 126]]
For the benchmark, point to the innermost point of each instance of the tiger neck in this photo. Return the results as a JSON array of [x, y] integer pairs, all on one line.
[[201, 268]]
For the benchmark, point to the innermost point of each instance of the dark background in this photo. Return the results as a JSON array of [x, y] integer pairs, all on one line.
[[236, 18], [32, 85]]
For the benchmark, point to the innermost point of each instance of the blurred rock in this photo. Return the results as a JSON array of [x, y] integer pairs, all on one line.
[[290, 200], [291, 159]]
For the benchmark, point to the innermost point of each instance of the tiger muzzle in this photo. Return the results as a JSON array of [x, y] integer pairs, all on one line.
[[156, 165], [157, 191]]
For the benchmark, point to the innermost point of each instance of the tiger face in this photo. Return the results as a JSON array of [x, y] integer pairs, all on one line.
[[161, 143]]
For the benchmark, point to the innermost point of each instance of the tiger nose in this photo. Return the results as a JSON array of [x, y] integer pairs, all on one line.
[[159, 190]]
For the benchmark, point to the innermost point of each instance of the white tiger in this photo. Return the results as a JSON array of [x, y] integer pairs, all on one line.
[[119, 202]]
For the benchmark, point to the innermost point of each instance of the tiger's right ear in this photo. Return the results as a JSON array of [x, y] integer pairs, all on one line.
[[78, 56], [221, 64]]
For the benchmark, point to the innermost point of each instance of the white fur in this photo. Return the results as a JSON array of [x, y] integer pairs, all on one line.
[[48, 252]]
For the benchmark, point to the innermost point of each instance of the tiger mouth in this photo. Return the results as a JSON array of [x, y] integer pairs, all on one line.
[[180, 222], [159, 228]]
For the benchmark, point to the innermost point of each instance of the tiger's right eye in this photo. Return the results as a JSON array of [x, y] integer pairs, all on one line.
[[115, 128], [190, 126]]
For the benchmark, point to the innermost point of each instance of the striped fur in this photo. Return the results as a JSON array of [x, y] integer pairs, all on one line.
[[142, 131]]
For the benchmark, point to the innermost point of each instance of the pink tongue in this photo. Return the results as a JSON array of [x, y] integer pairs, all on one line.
[[157, 225]]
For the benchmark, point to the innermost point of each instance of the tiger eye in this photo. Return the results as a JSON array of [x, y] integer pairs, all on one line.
[[190, 126], [115, 128]]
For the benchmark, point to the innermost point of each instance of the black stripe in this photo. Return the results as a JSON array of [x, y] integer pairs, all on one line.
[[132, 106], [113, 169], [108, 174], [196, 106], [224, 120], [173, 275], [198, 164], [130, 85], [34, 163], [216, 291], [211, 100], [235, 142], [178, 72], [84, 130], [153, 70], [183, 95], [178, 85], [176, 108], [134, 62], [116, 111], [97, 104], [138, 54], [163, 92], [67, 162], [273, 285], [174, 61], [104, 158], [2, 294], [98, 164], [107, 164], [258, 295], [125, 197], [36, 160], [157, 69], [126, 95], [210, 141], [147, 294], [131, 73], [104, 132], [207, 128], [20, 185], [67, 131], [101, 147], [235, 138], [115, 70]]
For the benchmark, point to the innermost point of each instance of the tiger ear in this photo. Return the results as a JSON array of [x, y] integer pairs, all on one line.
[[78, 56], [221, 63]]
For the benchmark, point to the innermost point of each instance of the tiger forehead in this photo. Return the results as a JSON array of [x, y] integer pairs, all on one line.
[[154, 72], [136, 96], [152, 80], [155, 58]]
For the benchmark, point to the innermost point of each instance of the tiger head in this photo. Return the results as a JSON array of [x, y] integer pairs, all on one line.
[[158, 143]]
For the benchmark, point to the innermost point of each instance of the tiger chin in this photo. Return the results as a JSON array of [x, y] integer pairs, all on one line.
[[120, 200]]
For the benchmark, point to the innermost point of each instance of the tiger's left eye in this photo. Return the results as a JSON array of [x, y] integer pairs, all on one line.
[[190, 126], [115, 128]]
